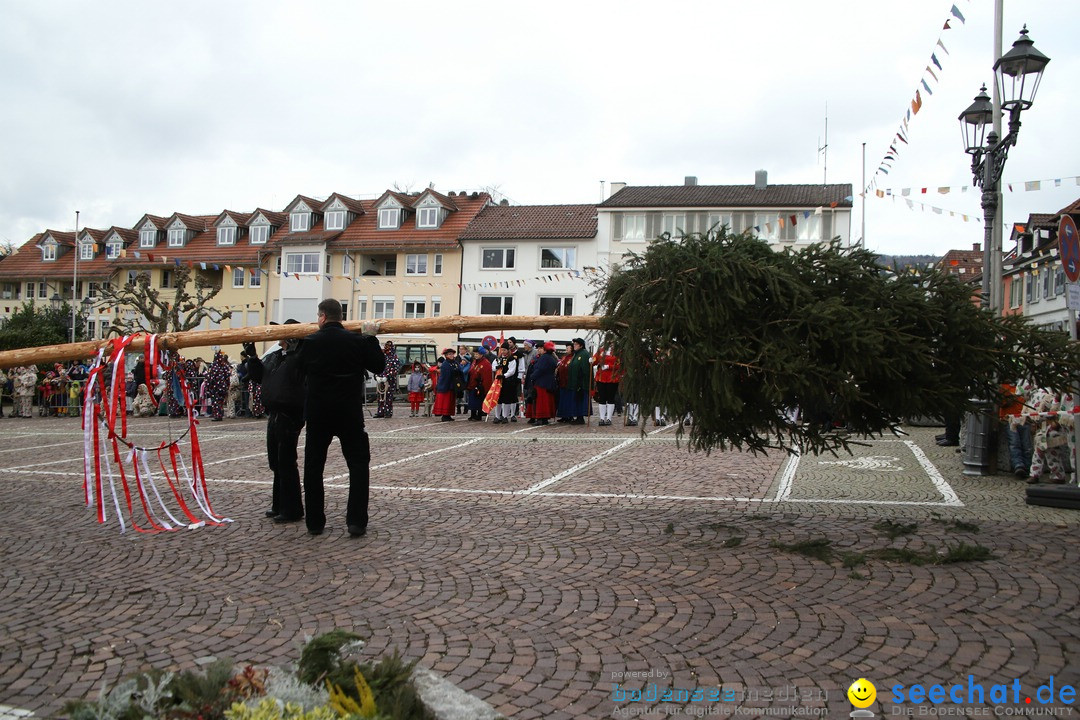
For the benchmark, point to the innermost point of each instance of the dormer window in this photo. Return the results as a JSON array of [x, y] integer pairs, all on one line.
[[112, 249], [147, 237], [86, 250], [226, 235], [335, 220], [48, 251], [389, 218], [299, 221], [177, 235], [259, 234], [428, 217]]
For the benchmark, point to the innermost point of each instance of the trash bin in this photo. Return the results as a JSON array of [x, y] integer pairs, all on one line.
[[980, 439]]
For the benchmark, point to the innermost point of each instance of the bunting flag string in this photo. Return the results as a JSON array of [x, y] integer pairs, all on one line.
[[916, 104], [906, 194]]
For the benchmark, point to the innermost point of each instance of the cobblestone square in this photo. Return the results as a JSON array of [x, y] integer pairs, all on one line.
[[539, 567]]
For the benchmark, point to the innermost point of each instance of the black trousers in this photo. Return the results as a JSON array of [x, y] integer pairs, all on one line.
[[282, 436], [357, 452]]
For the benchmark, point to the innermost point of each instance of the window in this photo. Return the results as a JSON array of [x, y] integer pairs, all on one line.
[[256, 278], [299, 221], [86, 250], [226, 236], [346, 264], [497, 258], [390, 267], [496, 305], [147, 238], [132, 276], [91, 326], [112, 249], [361, 309], [278, 269], [556, 306], [1059, 281], [389, 218], [716, 220], [675, 225], [1047, 284], [414, 308], [238, 277], [415, 265], [436, 306], [557, 257], [428, 217], [92, 291], [302, 262], [259, 234], [438, 264], [335, 220], [633, 227], [344, 310], [329, 259], [1016, 291], [167, 280], [48, 251], [382, 309], [1032, 288], [42, 291], [176, 236]]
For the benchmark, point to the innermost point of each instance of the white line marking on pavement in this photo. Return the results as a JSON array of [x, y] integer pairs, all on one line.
[[43, 447], [233, 459], [787, 478], [580, 466], [410, 458], [951, 498], [8, 712]]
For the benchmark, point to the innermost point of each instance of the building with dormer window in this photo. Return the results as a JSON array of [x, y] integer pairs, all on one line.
[[264, 223]]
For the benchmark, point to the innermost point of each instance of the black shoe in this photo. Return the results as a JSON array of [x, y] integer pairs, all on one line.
[[542, 422], [283, 519], [942, 436], [564, 420], [513, 418], [447, 418], [315, 531], [271, 513], [948, 443], [532, 421], [577, 421], [357, 530]]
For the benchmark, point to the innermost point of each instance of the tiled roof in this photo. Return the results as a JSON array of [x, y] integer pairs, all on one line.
[[240, 218], [1072, 208], [126, 234], [404, 199], [444, 200], [523, 222], [355, 205], [157, 220], [363, 233], [66, 239], [304, 237], [277, 219], [966, 263], [733, 196], [310, 202], [198, 223]]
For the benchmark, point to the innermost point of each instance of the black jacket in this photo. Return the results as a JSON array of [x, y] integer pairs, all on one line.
[[335, 363], [282, 382]]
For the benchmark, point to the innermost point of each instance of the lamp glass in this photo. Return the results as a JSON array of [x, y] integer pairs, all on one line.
[[975, 120], [1019, 72]]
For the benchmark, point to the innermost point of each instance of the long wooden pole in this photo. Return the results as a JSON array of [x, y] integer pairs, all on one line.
[[262, 333]]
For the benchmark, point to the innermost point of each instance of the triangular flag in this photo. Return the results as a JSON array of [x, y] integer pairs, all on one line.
[[932, 74], [933, 58], [1032, 185], [927, 87], [946, 26], [916, 104], [150, 257], [942, 46], [1020, 228], [793, 220], [956, 12]]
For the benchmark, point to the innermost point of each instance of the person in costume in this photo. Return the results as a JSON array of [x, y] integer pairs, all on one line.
[[217, 385], [540, 385], [506, 368], [445, 388], [478, 383], [415, 387], [608, 373], [393, 368], [574, 400], [25, 381]]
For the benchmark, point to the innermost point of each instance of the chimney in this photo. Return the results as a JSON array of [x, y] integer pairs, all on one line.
[[616, 187], [976, 247], [761, 180], [690, 180]]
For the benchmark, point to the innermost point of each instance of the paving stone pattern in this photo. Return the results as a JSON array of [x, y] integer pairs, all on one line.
[[535, 591]]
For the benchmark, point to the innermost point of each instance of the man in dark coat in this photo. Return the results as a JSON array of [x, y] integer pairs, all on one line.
[[335, 363], [283, 398]]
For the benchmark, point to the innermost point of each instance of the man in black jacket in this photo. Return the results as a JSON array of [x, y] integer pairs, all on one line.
[[283, 398], [335, 363]]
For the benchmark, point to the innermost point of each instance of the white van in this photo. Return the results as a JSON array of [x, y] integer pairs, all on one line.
[[409, 347]]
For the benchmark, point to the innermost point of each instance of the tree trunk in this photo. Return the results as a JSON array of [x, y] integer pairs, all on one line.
[[261, 333]]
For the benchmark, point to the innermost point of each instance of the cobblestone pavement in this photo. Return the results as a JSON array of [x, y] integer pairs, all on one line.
[[537, 566]]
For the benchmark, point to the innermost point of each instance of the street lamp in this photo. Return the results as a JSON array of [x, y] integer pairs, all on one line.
[[87, 306], [1017, 74], [55, 301]]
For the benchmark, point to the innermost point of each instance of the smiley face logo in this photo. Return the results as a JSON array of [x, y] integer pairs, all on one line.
[[862, 693]]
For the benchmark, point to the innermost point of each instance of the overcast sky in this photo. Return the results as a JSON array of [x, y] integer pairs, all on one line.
[[125, 107]]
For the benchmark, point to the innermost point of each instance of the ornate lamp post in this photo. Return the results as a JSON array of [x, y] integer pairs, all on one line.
[[1017, 73]]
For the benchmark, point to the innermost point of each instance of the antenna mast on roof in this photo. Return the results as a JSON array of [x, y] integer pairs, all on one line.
[[823, 150]]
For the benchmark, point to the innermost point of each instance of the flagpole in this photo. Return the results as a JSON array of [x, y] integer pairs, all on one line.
[[75, 278]]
